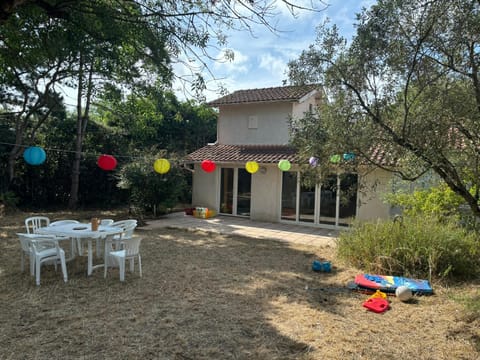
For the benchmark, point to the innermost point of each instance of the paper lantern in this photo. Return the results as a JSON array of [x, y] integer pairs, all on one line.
[[252, 167], [107, 162], [284, 165], [34, 155], [161, 166], [348, 156], [335, 159], [313, 161], [208, 166]]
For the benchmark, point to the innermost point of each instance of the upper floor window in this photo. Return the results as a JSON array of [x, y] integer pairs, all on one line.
[[253, 122]]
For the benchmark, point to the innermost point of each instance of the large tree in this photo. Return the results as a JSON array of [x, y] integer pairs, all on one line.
[[193, 30], [41, 54], [121, 42], [404, 94]]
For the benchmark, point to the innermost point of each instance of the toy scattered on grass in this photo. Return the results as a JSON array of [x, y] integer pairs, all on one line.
[[403, 293], [389, 284], [378, 294], [376, 304], [321, 266]]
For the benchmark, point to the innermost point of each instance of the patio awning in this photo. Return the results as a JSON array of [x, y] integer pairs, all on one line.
[[242, 153]]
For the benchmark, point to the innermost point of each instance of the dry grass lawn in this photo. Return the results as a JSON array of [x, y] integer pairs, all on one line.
[[210, 296]]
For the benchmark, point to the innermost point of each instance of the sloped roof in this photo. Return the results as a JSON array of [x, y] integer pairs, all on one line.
[[272, 94], [243, 153]]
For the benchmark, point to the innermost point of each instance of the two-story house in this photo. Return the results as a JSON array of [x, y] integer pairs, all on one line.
[[253, 125]]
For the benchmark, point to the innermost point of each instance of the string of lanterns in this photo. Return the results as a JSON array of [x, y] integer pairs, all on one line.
[[35, 155]]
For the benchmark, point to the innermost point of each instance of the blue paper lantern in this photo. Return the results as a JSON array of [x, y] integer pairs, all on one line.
[[34, 155], [348, 156]]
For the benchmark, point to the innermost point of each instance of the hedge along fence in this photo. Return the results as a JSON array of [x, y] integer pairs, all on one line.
[[417, 246]]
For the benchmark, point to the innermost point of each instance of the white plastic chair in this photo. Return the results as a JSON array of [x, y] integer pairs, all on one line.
[[25, 243], [129, 250], [72, 247], [35, 222], [26, 252], [43, 250], [128, 227]]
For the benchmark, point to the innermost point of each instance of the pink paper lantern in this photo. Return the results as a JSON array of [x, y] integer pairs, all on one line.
[[208, 166], [107, 162]]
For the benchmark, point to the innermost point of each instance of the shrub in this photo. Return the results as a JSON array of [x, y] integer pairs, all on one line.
[[8, 201], [436, 201], [150, 191], [418, 246]]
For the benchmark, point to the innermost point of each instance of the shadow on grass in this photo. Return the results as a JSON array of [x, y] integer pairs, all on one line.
[[202, 296]]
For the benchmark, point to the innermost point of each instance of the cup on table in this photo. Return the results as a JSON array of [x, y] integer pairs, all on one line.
[[95, 222]]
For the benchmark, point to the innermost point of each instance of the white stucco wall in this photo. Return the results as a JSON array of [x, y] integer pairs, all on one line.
[[373, 185], [301, 107], [205, 188], [265, 195], [272, 124]]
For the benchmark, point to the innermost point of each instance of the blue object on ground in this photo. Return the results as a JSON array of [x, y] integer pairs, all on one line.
[[321, 266]]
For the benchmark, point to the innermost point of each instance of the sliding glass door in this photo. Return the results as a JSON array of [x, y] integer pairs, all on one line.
[[235, 191], [331, 203]]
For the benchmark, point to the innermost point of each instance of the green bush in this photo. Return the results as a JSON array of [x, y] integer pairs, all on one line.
[[418, 246], [9, 200], [436, 201], [151, 192]]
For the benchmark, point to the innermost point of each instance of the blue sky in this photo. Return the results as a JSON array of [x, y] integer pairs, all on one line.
[[261, 61]]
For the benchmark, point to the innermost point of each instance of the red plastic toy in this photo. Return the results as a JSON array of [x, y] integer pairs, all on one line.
[[377, 305]]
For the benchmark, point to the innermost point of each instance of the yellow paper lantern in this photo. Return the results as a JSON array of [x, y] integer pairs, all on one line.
[[161, 166], [252, 167]]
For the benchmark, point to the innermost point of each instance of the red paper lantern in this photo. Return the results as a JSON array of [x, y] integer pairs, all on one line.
[[107, 162], [208, 166]]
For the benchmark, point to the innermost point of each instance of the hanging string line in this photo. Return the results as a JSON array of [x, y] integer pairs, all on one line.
[[84, 153]]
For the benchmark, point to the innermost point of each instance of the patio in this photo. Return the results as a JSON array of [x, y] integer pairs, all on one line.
[[229, 225]]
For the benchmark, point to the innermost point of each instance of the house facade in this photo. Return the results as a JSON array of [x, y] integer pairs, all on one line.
[[253, 125]]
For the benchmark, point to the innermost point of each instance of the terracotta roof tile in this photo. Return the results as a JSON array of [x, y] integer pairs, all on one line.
[[283, 93], [243, 153]]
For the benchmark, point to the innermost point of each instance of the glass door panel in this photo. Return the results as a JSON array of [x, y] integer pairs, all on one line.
[[328, 201], [289, 195], [348, 198], [226, 191], [244, 192], [307, 204]]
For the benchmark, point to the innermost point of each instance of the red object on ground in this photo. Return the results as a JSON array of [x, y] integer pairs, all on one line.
[[208, 166], [189, 211], [106, 162], [377, 305]]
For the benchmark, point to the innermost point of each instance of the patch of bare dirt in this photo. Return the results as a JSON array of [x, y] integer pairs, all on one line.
[[209, 296]]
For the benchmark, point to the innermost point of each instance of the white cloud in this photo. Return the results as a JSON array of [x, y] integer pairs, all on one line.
[[260, 60], [274, 64], [239, 63]]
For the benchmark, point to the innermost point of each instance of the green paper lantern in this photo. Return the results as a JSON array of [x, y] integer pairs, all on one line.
[[284, 165], [335, 159]]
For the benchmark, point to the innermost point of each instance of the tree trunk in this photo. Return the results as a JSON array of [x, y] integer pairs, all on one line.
[[82, 120]]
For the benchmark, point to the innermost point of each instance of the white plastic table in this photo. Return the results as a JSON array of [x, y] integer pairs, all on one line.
[[82, 231]]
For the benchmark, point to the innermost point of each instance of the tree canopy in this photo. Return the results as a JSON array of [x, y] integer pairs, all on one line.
[[403, 95]]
